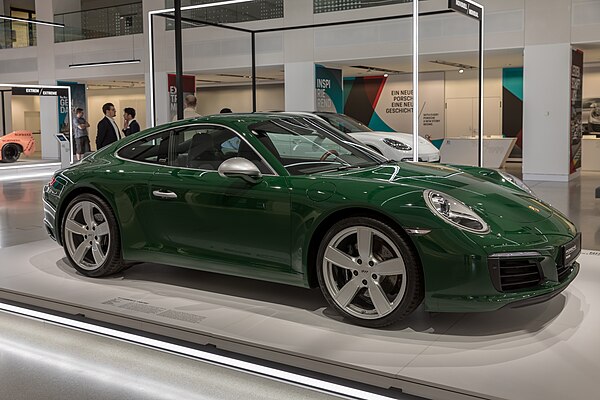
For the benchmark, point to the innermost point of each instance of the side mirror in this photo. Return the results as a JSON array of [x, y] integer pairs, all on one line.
[[239, 167]]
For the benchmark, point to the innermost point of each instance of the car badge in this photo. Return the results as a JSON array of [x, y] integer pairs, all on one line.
[[537, 210]]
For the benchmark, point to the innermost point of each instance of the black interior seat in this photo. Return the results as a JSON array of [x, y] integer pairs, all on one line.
[[202, 153]]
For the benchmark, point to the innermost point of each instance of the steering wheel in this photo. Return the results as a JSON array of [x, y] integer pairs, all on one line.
[[329, 153]]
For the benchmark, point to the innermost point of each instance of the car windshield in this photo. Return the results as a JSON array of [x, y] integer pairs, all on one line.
[[344, 123], [306, 146]]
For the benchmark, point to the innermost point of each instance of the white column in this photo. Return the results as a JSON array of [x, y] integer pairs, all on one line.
[[47, 76], [299, 49], [546, 90], [546, 112]]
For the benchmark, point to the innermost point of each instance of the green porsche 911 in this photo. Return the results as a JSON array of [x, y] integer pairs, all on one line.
[[285, 198]]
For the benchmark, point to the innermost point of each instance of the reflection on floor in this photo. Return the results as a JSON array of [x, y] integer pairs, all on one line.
[[21, 212]]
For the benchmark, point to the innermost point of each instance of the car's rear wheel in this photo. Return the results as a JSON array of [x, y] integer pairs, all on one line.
[[368, 272], [91, 236], [10, 153]]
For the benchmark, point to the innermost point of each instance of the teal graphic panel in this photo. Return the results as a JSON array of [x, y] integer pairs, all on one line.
[[78, 101], [329, 90]]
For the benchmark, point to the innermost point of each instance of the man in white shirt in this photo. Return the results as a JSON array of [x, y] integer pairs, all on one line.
[[108, 131], [190, 108]]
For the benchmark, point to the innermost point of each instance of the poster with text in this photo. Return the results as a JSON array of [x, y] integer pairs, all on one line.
[[576, 110], [189, 87], [386, 103], [329, 89], [78, 101]]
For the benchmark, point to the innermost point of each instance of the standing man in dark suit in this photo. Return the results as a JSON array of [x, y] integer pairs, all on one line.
[[108, 131], [130, 126]]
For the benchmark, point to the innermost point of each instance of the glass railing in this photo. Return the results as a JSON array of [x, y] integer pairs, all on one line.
[[241, 12], [16, 34], [324, 6], [121, 20]]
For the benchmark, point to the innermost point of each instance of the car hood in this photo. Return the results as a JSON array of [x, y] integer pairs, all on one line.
[[406, 138], [489, 199]]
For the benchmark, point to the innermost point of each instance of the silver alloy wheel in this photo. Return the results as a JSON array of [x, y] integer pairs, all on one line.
[[87, 235], [364, 272]]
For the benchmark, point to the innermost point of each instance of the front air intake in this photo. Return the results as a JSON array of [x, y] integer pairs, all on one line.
[[512, 274]]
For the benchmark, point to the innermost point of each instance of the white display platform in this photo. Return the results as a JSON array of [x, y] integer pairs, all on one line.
[[463, 151], [546, 351], [27, 169], [590, 152]]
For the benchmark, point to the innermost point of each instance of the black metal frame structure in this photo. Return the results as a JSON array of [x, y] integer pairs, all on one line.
[[176, 16]]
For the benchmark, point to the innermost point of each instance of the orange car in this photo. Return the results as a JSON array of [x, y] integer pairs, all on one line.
[[15, 143]]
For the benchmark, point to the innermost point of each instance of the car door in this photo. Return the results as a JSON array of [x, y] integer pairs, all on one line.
[[219, 223]]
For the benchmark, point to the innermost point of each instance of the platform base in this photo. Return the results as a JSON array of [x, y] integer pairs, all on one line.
[[545, 351]]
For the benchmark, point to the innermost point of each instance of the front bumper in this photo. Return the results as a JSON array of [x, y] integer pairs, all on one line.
[[461, 278]]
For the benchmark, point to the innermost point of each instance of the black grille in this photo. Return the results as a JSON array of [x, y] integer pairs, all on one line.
[[512, 274]]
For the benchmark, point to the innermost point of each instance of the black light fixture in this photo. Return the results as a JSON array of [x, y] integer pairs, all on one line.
[[103, 63], [461, 67], [32, 21]]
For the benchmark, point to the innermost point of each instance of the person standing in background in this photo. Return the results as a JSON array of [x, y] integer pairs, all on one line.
[[108, 131], [190, 108], [80, 134], [130, 125]]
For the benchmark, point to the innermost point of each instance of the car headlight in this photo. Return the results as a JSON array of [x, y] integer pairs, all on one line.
[[517, 182], [397, 144], [454, 212]]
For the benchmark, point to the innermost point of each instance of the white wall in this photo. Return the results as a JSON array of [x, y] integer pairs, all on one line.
[[591, 82], [546, 112], [462, 97], [21, 105], [121, 98], [239, 98]]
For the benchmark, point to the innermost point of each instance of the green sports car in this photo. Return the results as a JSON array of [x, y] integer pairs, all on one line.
[[281, 197]]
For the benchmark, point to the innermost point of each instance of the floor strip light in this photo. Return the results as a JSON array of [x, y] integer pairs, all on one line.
[[103, 63], [32, 21], [214, 359]]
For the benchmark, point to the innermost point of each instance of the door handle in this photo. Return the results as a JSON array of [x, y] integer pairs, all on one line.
[[166, 194]]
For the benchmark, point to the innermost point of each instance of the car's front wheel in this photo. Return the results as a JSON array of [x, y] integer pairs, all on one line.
[[10, 153], [91, 236], [368, 272]]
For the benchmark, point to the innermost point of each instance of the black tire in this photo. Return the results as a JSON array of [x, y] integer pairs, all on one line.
[[412, 273], [10, 153], [113, 262]]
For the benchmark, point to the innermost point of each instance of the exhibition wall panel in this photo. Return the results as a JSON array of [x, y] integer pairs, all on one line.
[[22, 109]]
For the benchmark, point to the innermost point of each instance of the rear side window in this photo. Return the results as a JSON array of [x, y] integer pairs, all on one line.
[[153, 149]]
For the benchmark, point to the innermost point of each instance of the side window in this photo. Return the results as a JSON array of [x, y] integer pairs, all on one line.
[[153, 149], [206, 147]]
